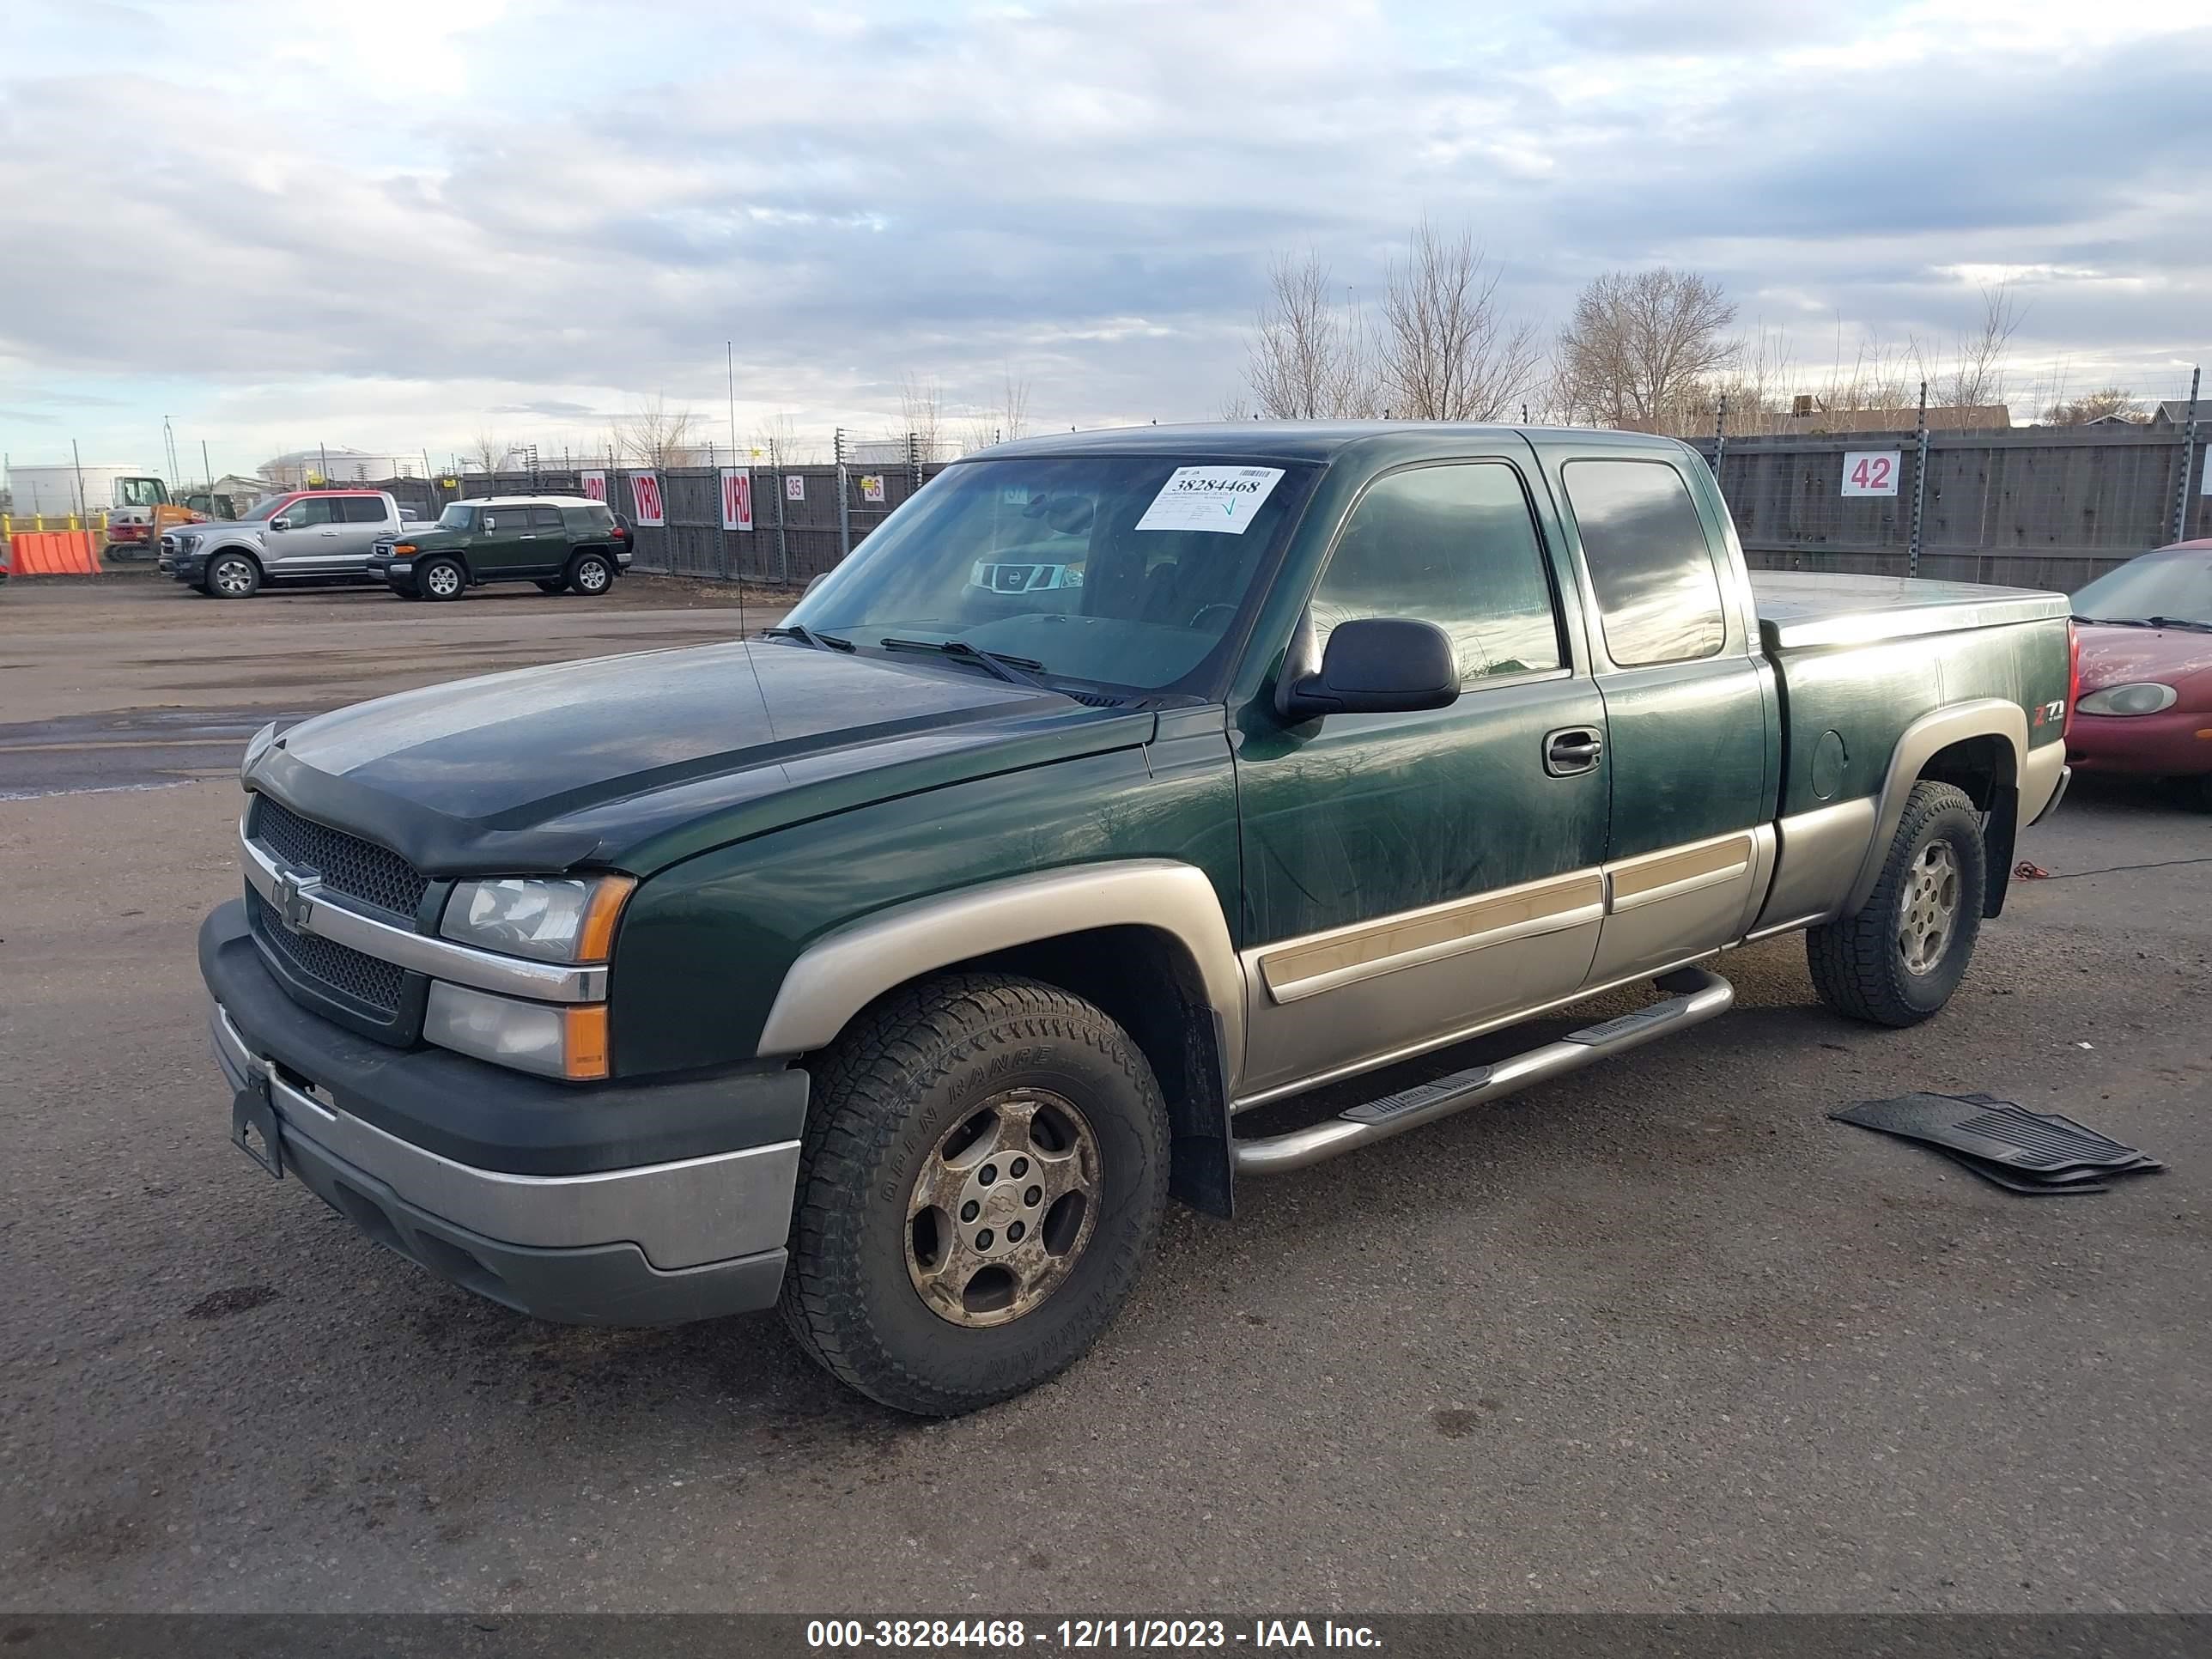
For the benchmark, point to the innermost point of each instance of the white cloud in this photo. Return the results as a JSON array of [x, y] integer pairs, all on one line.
[[376, 226]]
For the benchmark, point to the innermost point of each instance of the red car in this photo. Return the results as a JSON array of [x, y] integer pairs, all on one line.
[[2145, 704]]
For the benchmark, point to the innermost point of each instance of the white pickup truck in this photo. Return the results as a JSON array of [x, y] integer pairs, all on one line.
[[295, 537]]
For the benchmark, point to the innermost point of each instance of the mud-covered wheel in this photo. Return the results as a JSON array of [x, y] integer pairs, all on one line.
[[982, 1175], [1900, 957]]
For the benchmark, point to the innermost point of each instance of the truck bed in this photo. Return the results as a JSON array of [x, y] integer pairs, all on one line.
[[1801, 608], [1860, 658]]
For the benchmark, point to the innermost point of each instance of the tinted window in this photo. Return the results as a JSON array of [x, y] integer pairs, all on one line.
[[361, 509], [1658, 595], [592, 519], [546, 518], [314, 509], [1453, 545]]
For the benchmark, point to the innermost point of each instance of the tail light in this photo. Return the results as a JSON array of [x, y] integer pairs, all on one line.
[[2073, 678], [622, 532]]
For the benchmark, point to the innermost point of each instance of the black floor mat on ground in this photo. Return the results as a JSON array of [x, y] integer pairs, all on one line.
[[2020, 1151]]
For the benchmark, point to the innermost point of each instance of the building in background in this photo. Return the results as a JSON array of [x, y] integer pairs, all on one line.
[[335, 463]]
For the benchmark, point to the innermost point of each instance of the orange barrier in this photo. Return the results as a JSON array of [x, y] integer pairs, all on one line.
[[54, 553]]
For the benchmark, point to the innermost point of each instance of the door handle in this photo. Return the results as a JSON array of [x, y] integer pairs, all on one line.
[[1576, 749]]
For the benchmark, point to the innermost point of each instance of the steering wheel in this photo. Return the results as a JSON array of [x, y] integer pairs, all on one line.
[[1205, 610]]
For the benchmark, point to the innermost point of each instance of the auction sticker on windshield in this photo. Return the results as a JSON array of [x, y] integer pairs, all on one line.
[[1219, 498]]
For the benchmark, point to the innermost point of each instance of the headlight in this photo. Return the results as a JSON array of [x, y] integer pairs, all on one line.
[[556, 919], [569, 1041], [256, 747], [2144, 697]]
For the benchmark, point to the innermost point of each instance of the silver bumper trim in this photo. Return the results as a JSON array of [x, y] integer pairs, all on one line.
[[682, 1214], [330, 917]]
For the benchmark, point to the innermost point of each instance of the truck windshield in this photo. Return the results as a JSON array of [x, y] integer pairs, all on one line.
[[1125, 571]]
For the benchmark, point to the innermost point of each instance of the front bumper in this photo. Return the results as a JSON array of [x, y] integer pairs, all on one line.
[[620, 1205], [2173, 743]]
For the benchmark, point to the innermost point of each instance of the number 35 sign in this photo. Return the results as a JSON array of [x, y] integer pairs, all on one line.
[[1870, 471]]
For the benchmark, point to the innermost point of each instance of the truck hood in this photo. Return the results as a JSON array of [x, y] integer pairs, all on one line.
[[632, 760]]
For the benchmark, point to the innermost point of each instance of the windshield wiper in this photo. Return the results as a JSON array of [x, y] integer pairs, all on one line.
[[1016, 670], [2114, 621], [2180, 622], [806, 636]]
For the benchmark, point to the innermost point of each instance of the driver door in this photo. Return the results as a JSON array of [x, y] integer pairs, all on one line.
[[307, 545], [1409, 875]]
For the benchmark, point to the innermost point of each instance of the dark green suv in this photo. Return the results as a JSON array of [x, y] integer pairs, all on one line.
[[564, 544]]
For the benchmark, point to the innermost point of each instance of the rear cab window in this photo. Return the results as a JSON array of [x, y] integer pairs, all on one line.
[[1651, 565], [360, 509]]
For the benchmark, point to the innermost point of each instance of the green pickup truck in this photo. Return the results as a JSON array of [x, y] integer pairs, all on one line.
[[899, 965]]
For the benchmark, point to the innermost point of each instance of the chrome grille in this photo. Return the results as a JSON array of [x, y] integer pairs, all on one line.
[[369, 981], [347, 864]]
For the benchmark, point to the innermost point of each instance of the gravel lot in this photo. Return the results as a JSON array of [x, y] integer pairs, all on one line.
[[1658, 1336]]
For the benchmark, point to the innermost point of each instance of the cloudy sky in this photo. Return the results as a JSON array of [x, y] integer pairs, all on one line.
[[394, 224]]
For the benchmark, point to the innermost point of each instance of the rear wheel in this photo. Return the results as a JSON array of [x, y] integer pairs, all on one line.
[[440, 579], [983, 1172], [234, 576], [590, 575], [1900, 957]]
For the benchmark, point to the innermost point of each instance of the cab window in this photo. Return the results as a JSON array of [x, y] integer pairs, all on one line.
[[544, 518], [1650, 566], [360, 509], [1455, 545], [307, 510]]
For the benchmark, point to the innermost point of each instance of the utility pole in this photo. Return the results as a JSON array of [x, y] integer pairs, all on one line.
[[208, 467], [2188, 459]]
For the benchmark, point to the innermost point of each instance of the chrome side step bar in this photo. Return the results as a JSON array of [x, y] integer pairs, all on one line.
[[1699, 996]]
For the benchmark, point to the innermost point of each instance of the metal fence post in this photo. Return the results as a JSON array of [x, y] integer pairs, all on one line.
[[912, 462], [2188, 461], [1919, 487], [844, 504], [1720, 442], [782, 549]]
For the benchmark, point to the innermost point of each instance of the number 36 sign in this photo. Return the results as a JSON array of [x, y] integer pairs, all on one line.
[[1870, 471]]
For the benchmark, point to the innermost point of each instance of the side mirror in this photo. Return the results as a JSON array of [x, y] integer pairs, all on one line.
[[1375, 665], [280, 524]]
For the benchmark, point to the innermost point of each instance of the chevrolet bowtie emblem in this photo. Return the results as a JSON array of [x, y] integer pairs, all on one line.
[[295, 898]]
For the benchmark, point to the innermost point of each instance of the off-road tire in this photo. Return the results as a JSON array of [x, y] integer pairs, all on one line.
[[590, 575], [427, 579], [1858, 964], [884, 1095], [552, 584], [226, 579]]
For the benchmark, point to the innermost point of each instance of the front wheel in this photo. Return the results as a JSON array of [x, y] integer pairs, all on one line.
[[1900, 957], [440, 579], [234, 576], [982, 1175]]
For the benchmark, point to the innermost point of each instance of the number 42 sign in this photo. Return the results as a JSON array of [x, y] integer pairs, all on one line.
[[1870, 471]]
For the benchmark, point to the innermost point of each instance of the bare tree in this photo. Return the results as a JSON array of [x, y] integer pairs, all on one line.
[[486, 453], [2096, 406], [1640, 343], [1306, 358], [921, 407], [1448, 351], [654, 434], [775, 442], [1013, 411], [1979, 367]]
